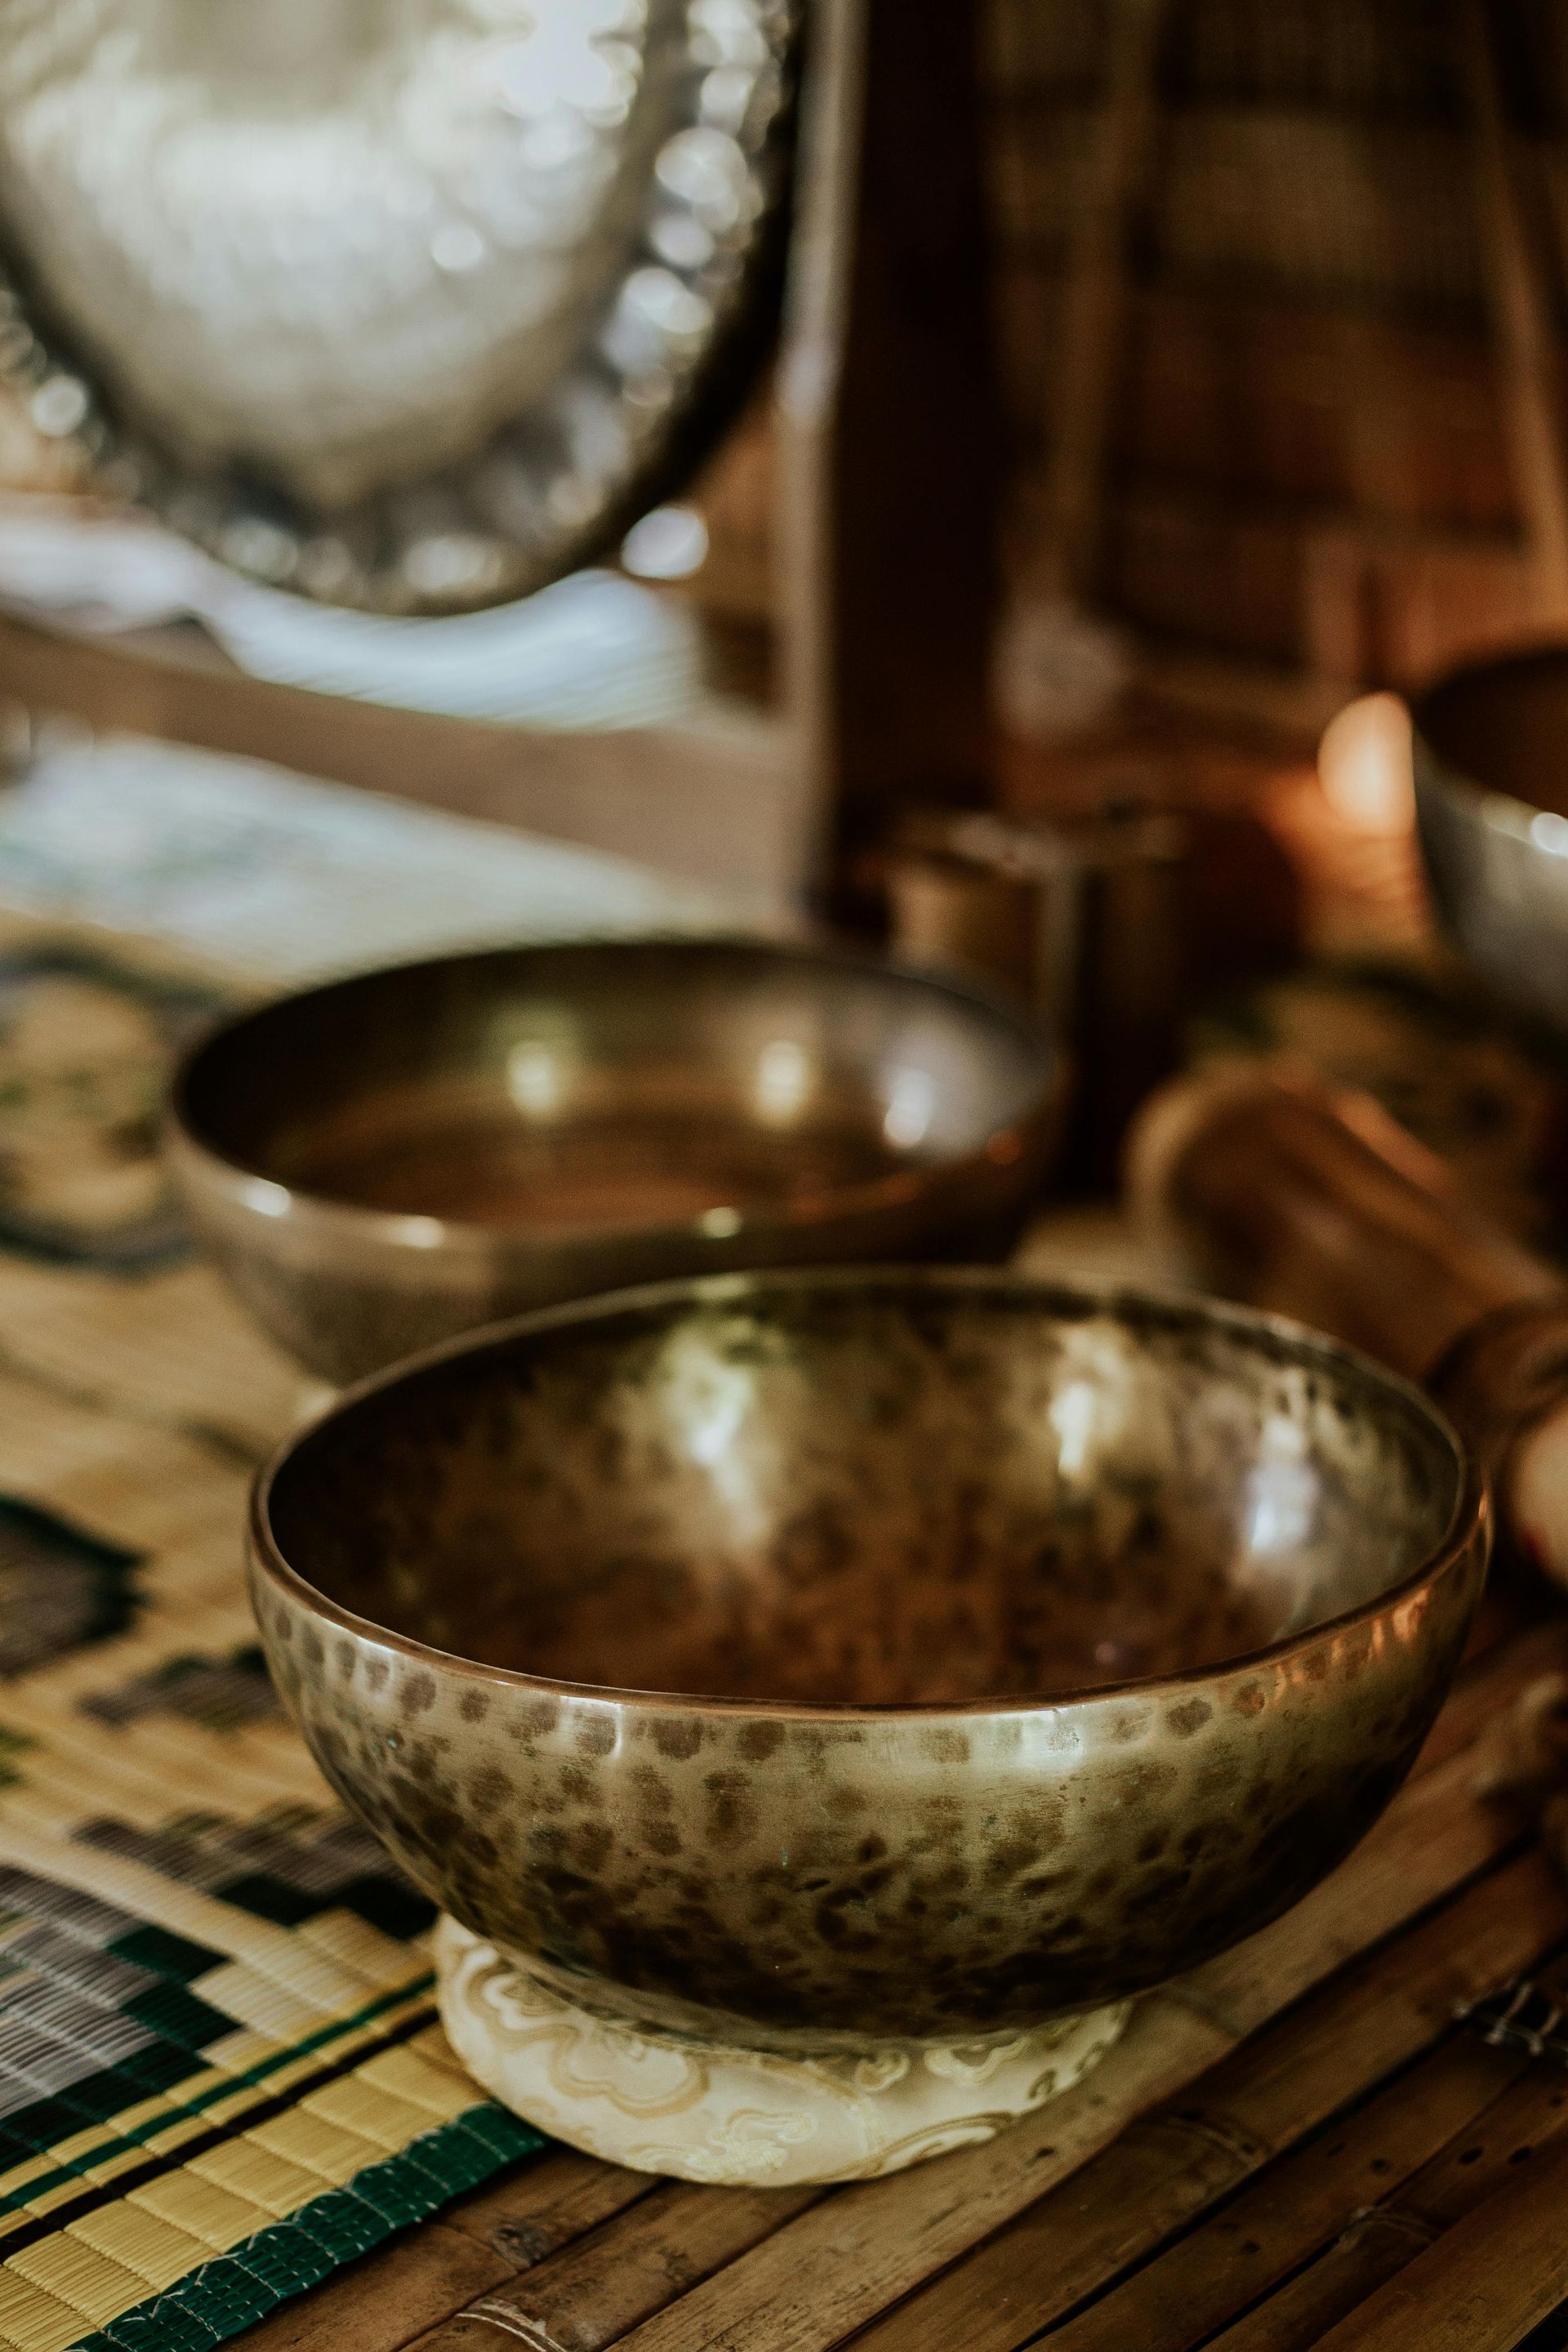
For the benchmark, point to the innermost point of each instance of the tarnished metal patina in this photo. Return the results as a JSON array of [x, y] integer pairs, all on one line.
[[823, 1661], [381, 1163]]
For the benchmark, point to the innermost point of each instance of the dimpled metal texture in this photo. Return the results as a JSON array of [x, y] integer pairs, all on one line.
[[382, 1164], [827, 1658]]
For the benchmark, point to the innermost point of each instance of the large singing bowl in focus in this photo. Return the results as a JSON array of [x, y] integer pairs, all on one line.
[[381, 1163], [1491, 796], [860, 1669]]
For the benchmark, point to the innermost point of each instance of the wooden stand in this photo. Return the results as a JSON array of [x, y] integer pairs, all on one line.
[[716, 800]]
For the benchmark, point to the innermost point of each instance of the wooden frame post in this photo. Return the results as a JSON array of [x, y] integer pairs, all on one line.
[[888, 433]]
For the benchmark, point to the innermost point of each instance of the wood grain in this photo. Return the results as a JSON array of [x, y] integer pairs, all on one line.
[[1307, 1199], [1434, 1836], [887, 423], [1084, 407], [380, 2304], [1291, 2211], [852, 2253], [844, 2262], [1522, 305], [590, 2293], [721, 801], [576, 2254], [540, 2220], [1480, 2157], [1171, 2165], [1518, 1655], [1484, 2285], [555, 2199]]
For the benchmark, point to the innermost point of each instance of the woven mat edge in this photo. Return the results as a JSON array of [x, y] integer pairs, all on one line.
[[235, 2289]]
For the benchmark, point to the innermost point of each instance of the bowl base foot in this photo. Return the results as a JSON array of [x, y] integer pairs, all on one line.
[[664, 2102]]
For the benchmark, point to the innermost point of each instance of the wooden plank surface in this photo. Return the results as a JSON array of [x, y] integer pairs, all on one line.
[[1294, 2206], [1491, 2278], [595, 2292], [1171, 2167], [1280, 2142], [548, 2205], [388, 2299], [1482, 2156]]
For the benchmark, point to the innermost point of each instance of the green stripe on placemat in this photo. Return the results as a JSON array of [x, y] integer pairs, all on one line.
[[250, 2077], [235, 2290], [222, 2076]]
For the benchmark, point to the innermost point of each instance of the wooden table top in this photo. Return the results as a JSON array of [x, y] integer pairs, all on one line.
[[1306, 2147]]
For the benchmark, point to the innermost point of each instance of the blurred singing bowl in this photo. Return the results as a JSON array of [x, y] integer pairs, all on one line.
[[851, 1687], [1492, 798], [381, 1163]]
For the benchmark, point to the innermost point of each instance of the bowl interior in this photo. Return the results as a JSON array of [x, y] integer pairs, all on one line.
[[1503, 726], [877, 1492], [611, 1085]]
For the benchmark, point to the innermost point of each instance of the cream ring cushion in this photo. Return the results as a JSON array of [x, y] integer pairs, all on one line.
[[660, 2102]]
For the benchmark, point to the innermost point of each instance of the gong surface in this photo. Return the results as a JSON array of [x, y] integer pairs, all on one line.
[[405, 303]]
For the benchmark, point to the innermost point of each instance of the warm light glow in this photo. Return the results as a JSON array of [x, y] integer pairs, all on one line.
[[1364, 764], [670, 543], [719, 1404], [534, 1079], [783, 1083], [707, 1408], [911, 1105], [268, 1200], [1282, 1505], [420, 1233], [1074, 1412]]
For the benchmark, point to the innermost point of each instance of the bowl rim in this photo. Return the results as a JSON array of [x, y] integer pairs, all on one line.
[[253, 1189], [1499, 811], [1468, 1523]]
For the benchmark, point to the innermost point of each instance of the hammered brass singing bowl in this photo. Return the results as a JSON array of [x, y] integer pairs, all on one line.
[[386, 1161], [829, 1662]]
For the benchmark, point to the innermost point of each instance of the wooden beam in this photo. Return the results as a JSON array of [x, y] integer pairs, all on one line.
[[889, 456], [1093, 314], [1521, 311], [719, 802]]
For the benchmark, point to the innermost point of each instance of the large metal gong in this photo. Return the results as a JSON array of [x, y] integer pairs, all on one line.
[[411, 304]]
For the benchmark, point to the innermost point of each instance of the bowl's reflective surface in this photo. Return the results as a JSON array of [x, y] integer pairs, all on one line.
[[730, 1650], [394, 1158], [1491, 796]]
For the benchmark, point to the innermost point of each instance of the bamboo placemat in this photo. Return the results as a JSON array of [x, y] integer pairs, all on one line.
[[220, 2073]]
